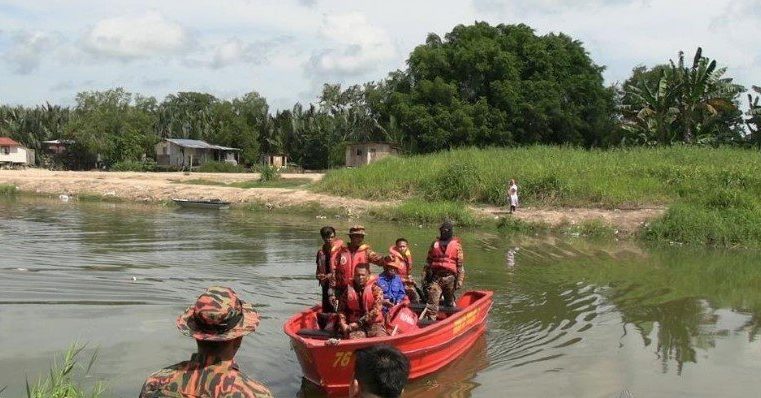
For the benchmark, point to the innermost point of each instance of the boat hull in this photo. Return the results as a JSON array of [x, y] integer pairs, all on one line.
[[429, 349], [202, 204]]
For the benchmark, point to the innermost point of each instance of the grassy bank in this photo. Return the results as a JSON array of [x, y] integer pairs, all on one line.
[[7, 189], [278, 183], [715, 194]]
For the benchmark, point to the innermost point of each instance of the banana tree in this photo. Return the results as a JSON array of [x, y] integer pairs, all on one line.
[[753, 121], [659, 110]]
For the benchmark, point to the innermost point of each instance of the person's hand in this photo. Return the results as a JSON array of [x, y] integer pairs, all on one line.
[[354, 326], [388, 303], [457, 284]]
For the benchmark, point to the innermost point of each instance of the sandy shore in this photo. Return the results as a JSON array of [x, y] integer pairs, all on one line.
[[153, 187]]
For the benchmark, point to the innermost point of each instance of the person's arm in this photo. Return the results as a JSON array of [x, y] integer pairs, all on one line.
[[374, 258], [372, 313]]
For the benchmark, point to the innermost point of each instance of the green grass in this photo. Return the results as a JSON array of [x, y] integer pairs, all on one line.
[[60, 381], [221, 167], [717, 190], [279, 183], [420, 211], [96, 197], [7, 190]]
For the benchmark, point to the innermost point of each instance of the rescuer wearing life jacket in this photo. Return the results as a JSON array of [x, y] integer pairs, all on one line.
[[391, 284], [326, 259], [361, 310], [352, 255], [444, 271], [401, 251]]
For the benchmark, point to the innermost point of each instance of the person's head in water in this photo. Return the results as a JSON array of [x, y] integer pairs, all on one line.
[[357, 235], [361, 275], [446, 230], [402, 245], [379, 371], [327, 233]]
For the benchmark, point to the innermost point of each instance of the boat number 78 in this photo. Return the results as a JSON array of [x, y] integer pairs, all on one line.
[[342, 359]]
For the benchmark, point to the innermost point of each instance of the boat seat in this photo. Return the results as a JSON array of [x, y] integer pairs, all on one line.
[[315, 334], [418, 307]]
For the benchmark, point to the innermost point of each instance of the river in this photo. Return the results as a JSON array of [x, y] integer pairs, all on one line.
[[571, 317]]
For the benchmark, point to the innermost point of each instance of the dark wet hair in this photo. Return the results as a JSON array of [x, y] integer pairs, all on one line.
[[325, 232], [401, 240], [382, 370]]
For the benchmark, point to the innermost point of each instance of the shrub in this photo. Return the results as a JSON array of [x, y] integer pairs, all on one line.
[[134, 165], [269, 173], [7, 189], [221, 167]]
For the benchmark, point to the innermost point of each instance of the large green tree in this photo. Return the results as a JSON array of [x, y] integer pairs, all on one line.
[[500, 85]]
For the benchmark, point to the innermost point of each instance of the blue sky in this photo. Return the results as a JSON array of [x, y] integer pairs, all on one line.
[[285, 50]]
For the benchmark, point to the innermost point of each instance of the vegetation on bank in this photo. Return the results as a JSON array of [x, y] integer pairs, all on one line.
[[60, 381], [715, 192], [279, 183], [7, 189]]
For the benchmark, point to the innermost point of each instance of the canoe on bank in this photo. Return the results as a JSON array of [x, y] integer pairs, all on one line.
[[434, 345], [203, 203]]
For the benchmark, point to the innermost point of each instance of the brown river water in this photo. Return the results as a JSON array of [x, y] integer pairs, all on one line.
[[571, 317]]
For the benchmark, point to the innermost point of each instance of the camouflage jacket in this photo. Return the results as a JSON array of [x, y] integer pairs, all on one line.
[[202, 378]]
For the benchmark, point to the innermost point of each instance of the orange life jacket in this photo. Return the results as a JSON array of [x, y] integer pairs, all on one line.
[[441, 259], [404, 258], [356, 308], [346, 263], [325, 264]]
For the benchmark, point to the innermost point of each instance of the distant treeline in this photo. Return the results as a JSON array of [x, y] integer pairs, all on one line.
[[479, 85]]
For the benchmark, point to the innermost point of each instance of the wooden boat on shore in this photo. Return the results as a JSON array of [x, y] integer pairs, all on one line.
[[329, 363], [203, 203]]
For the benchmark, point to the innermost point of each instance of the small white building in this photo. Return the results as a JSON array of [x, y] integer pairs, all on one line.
[[14, 154], [274, 160], [180, 152], [360, 154]]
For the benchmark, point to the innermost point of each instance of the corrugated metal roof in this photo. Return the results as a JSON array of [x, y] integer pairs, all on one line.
[[198, 144], [6, 141]]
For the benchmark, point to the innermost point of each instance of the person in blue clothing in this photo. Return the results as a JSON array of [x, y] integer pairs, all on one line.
[[391, 284]]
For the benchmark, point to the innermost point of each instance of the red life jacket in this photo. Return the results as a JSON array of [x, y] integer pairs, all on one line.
[[357, 308], [326, 265], [403, 258], [346, 263], [441, 259]]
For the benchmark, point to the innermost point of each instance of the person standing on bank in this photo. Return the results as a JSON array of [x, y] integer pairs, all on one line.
[[218, 321], [444, 270], [326, 259], [512, 196]]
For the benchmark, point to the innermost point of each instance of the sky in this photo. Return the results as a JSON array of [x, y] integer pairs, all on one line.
[[286, 49]]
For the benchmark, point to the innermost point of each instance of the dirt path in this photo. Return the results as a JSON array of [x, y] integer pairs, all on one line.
[[148, 187]]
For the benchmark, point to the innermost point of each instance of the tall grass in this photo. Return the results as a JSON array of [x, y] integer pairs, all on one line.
[[720, 188], [60, 384], [7, 189]]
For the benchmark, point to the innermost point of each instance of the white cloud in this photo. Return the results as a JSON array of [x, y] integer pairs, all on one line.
[[235, 51], [356, 47], [29, 49], [134, 37]]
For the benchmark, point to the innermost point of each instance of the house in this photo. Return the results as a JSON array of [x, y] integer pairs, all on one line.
[[360, 154], [275, 160], [14, 154], [180, 152], [57, 147]]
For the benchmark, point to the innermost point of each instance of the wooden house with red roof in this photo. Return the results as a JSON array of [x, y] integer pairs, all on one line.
[[13, 154]]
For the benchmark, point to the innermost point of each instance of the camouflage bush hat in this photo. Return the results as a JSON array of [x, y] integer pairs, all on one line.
[[357, 230], [392, 262], [218, 315]]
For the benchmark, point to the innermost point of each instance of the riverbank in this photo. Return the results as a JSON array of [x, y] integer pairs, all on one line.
[[711, 196], [162, 187]]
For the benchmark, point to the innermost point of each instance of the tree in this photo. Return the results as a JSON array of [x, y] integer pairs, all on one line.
[[500, 85], [753, 120], [674, 102]]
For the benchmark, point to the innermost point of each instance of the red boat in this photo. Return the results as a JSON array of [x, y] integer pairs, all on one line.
[[329, 363]]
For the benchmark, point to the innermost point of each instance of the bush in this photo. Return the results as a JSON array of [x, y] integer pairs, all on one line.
[[221, 167], [134, 165], [7, 189], [269, 173]]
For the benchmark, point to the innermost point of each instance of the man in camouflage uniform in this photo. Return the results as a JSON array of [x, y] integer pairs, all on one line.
[[218, 321], [444, 270]]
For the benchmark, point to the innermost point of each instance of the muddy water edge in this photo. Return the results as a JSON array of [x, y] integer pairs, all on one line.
[[571, 317]]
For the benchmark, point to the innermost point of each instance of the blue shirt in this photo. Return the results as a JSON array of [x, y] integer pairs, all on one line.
[[393, 287]]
